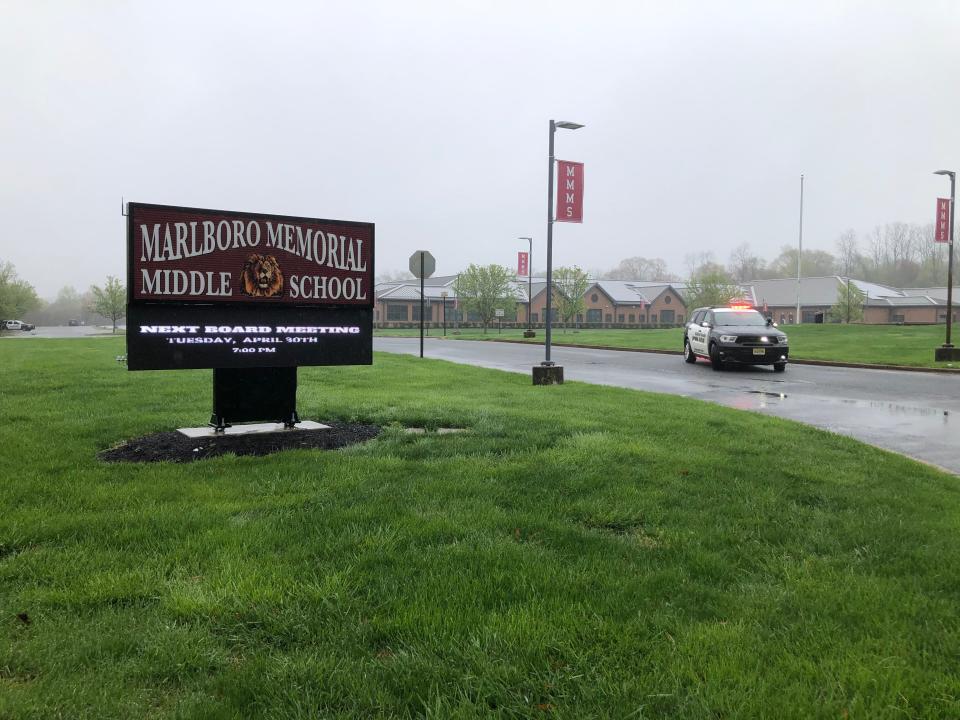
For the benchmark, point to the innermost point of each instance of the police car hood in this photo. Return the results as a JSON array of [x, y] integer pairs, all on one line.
[[747, 330]]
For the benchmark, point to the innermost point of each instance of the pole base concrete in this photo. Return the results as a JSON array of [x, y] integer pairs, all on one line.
[[946, 354], [548, 375]]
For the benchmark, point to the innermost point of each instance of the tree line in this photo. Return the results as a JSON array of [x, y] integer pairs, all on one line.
[[896, 254], [18, 299]]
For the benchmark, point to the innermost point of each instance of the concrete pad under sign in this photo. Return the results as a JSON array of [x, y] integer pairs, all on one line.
[[251, 429]]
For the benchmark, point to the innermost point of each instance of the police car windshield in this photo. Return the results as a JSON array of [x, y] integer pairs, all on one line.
[[738, 317]]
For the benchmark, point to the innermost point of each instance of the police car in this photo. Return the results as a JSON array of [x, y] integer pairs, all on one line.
[[734, 334]]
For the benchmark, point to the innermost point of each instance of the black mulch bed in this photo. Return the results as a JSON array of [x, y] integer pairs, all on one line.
[[175, 447]]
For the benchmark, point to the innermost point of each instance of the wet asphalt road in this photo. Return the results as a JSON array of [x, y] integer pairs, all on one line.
[[917, 414], [62, 331]]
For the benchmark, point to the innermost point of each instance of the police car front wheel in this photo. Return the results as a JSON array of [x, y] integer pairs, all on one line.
[[688, 353], [715, 362]]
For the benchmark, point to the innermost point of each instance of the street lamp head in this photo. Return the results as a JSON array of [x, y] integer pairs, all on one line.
[[949, 173], [567, 125], [523, 237]]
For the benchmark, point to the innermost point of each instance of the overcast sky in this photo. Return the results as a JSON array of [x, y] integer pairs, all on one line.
[[430, 119]]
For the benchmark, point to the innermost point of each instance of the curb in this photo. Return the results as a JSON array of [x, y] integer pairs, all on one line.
[[824, 363]]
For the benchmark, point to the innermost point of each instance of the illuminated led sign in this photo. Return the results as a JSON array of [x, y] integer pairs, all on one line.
[[223, 289]]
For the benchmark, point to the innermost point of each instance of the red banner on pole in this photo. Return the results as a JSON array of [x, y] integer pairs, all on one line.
[[943, 220], [569, 191], [523, 263]]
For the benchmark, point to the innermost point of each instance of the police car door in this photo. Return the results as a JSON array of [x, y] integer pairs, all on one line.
[[699, 334]]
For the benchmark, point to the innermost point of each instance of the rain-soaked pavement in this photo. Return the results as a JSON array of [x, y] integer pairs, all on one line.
[[917, 414]]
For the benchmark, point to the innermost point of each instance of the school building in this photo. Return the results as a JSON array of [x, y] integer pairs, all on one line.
[[624, 303]]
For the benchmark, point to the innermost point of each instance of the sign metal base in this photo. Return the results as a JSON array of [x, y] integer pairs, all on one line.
[[251, 429], [254, 394]]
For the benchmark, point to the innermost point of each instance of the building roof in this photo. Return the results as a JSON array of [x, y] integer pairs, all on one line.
[[939, 293], [777, 292], [823, 291], [780, 292], [629, 292], [410, 289], [908, 301]]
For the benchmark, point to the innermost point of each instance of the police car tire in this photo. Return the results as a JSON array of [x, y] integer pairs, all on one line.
[[688, 353], [715, 362], [779, 367]]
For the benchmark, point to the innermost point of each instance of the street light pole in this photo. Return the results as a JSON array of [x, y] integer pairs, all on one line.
[[800, 250], [553, 129], [529, 279], [953, 187]]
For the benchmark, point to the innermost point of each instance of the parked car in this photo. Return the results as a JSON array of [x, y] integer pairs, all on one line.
[[75, 323], [736, 335], [19, 325]]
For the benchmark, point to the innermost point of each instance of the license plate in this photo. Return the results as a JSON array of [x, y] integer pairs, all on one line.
[[759, 351]]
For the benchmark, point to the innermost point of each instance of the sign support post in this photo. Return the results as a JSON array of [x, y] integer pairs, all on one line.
[[947, 351]]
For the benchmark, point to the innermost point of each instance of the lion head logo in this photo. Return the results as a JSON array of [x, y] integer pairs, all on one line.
[[261, 276]]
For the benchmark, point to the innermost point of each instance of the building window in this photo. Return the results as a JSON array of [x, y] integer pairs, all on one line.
[[534, 317], [593, 298], [898, 318], [397, 313], [653, 318], [609, 317], [633, 318], [620, 318], [680, 319], [666, 317], [427, 312], [593, 316], [667, 300], [642, 317], [579, 318]]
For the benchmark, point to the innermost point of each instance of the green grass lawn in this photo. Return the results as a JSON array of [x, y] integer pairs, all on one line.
[[580, 552], [909, 345]]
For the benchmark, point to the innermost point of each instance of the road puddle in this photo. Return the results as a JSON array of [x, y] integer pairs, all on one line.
[[766, 393]]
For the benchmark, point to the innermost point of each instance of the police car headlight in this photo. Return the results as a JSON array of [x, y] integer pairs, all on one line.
[[782, 339], [728, 338]]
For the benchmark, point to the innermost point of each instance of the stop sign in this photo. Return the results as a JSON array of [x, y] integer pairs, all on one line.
[[422, 264]]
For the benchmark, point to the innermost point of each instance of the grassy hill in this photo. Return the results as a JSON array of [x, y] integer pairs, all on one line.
[[579, 552]]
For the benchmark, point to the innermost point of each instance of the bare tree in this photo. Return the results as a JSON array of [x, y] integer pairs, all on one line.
[[639, 268], [695, 262], [394, 276], [878, 249], [848, 251], [816, 263], [744, 265]]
